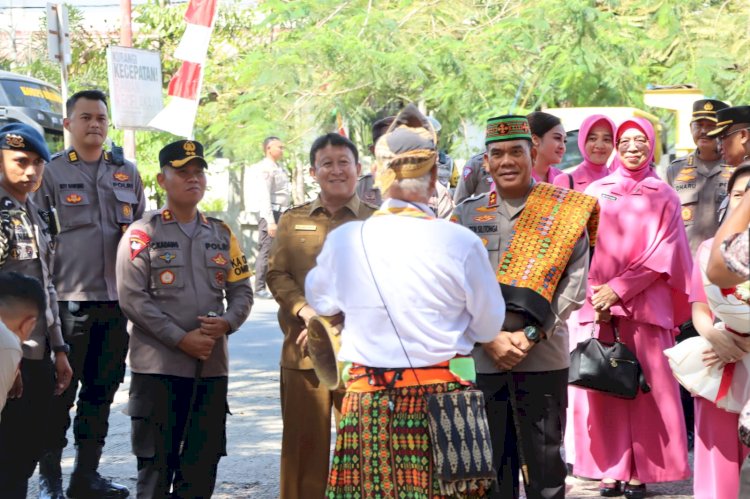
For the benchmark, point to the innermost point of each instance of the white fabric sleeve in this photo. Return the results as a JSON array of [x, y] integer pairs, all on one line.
[[319, 283], [484, 300]]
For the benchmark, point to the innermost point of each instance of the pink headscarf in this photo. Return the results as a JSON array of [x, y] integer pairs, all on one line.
[[586, 171], [641, 230], [644, 170]]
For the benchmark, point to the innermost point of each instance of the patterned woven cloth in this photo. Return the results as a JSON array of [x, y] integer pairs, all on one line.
[[543, 238], [383, 446]]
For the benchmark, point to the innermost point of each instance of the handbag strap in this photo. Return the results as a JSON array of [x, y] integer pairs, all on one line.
[[613, 324], [382, 299]]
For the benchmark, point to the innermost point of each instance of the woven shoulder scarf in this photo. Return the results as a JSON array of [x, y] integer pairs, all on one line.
[[541, 244]]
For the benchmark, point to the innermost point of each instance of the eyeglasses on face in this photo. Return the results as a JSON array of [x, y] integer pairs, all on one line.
[[639, 141]]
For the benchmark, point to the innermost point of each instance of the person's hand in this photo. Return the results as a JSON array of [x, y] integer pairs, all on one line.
[[723, 348], [742, 342], [197, 344], [272, 229], [507, 350], [603, 297], [306, 313], [63, 373], [16, 390], [215, 327], [302, 341]]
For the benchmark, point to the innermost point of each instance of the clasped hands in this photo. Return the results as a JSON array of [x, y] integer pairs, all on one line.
[[726, 348], [508, 349], [199, 342]]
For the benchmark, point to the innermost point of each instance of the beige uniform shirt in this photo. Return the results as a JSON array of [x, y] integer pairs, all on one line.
[[297, 244], [267, 189], [166, 279], [494, 223], [701, 185], [31, 253], [95, 206]]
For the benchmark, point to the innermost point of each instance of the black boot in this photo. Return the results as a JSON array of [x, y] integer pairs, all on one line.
[[50, 475], [86, 482]]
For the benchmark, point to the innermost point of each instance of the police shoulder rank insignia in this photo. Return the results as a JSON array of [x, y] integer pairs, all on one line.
[[6, 203], [167, 277], [73, 198], [492, 201], [121, 176], [219, 259], [167, 216], [138, 242], [72, 156]]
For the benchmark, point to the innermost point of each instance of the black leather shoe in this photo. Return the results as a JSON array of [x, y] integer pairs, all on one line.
[[635, 491], [95, 486], [610, 489]]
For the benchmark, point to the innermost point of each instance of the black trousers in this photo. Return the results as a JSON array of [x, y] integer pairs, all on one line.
[[542, 398], [21, 427], [264, 248], [98, 347], [159, 410]]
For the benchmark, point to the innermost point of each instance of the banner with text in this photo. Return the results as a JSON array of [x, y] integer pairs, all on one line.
[[135, 86]]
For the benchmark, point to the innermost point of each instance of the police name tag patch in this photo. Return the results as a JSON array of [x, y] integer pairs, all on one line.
[[610, 197], [305, 227], [138, 242]]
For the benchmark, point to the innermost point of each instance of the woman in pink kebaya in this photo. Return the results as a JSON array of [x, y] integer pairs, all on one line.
[[639, 281], [548, 137]]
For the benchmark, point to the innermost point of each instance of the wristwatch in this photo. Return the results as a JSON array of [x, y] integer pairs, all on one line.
[[532, 333], [64, 348]]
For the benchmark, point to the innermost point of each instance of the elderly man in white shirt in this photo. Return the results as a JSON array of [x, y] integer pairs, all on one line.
[[417, 293]]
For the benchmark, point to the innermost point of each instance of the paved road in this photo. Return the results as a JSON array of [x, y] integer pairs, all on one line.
[[251, 470]]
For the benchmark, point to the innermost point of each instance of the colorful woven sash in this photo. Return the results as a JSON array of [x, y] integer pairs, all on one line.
[[541, 244]]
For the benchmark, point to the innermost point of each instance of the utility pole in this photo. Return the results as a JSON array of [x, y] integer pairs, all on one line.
[[126, 40]]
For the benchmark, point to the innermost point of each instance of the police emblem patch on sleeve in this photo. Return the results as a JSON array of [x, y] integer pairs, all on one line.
[[138, 242]]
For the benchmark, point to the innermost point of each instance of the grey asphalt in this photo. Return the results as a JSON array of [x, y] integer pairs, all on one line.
[[251, 469]]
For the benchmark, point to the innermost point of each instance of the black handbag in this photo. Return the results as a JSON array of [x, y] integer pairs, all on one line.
[[609, 368]]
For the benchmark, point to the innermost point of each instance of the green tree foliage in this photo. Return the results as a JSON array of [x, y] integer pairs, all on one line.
[[294, 68]]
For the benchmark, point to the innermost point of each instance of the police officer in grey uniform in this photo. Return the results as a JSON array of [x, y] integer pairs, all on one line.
[[475, 179], [97, 196], [700, 178], [26, 248], [175, 268]]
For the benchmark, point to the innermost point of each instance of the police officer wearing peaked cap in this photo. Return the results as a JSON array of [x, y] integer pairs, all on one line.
[[700, 178], [97, 195], [26, 248], [175, 268]]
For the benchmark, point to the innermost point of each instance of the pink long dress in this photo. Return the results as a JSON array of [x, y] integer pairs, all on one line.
[[586, 172], [718, 453], [642, 252]]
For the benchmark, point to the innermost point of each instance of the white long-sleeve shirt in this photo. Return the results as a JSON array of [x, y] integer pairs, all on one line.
[[434, 275], [10, 357]]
